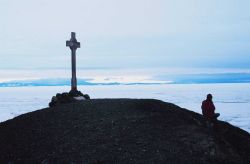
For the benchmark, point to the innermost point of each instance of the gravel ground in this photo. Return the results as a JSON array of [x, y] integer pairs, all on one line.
[[120, 131]]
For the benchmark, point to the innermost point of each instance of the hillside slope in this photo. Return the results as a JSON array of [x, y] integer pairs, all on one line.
[[120, 131]]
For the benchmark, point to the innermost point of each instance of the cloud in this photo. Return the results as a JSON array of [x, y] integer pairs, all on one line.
[[132, 33]]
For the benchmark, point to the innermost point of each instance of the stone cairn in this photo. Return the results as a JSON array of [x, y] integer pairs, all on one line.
[[63, 98]]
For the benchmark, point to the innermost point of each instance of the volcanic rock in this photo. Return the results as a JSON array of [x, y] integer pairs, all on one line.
[[120, 131]]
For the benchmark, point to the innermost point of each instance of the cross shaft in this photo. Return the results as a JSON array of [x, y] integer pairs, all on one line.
[[73, 45]]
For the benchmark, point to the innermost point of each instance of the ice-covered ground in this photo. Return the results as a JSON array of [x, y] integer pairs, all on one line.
[[231, 100]]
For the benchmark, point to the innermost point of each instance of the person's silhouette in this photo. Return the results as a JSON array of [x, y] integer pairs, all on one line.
[[208, 109]]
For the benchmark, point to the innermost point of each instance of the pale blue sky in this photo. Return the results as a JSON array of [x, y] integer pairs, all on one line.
[[125, 33]]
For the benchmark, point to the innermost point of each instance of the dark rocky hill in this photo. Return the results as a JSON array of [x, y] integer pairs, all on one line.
[[120, 131]]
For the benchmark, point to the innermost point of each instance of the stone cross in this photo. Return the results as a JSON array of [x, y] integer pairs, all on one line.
[[73, 45]]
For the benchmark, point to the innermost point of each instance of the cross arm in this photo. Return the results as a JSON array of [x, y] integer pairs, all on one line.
[[73, 44]]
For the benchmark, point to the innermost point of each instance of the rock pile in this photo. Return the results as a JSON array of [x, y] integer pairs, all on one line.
[[63, 98]]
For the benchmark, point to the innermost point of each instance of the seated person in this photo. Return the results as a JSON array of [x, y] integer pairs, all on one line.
[[208, 109]]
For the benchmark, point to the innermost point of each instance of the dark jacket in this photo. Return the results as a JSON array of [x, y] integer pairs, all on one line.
[[208, 108]]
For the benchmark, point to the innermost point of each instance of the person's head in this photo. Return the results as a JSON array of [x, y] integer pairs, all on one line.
[[209, 97]]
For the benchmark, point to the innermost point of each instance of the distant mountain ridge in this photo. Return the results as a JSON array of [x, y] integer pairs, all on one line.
[[65, 82], [163, 79]]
